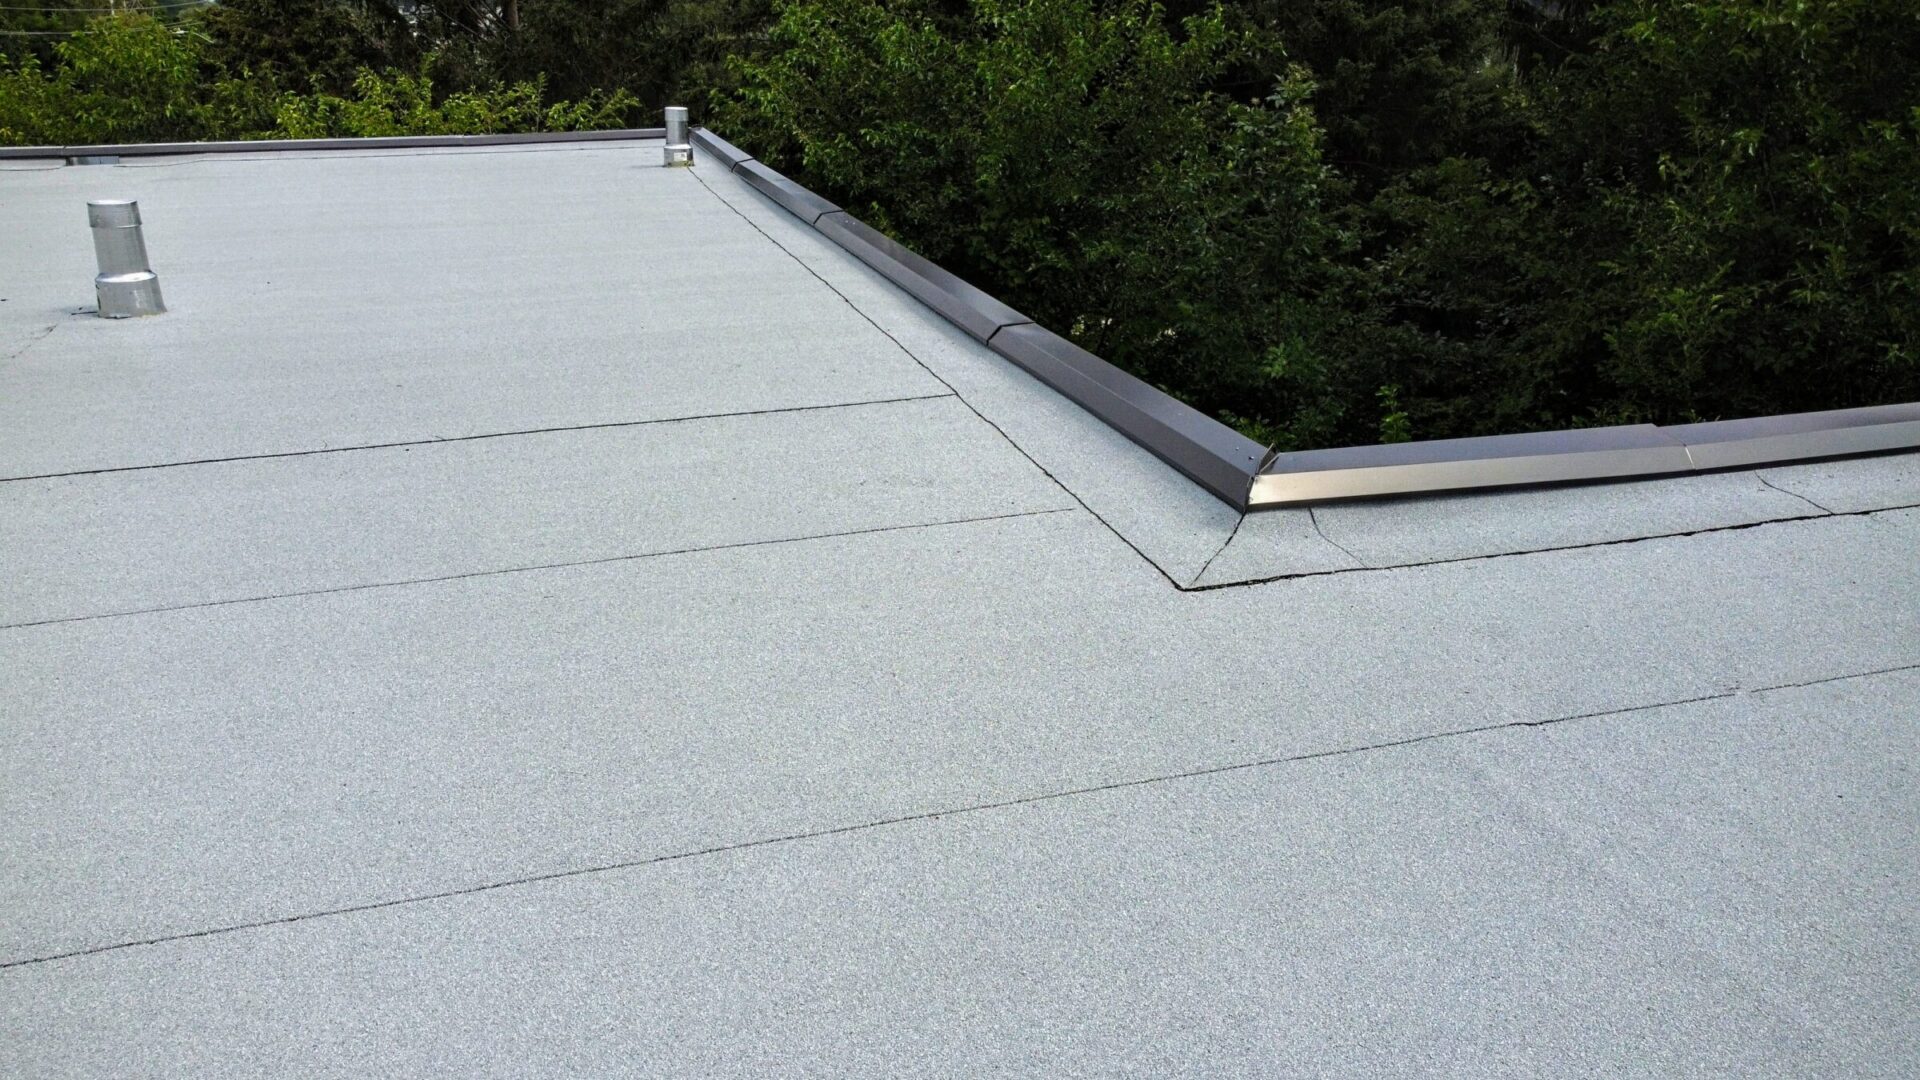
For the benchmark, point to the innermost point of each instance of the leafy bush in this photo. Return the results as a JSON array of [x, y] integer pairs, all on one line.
[[1441, 218], [1748, 210], [400, 104], [127, 78], [1076, 157], [134, 78], [322, 44]]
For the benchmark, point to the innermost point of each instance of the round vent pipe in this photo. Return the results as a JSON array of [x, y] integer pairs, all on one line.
[[126, 286], [679, 149]]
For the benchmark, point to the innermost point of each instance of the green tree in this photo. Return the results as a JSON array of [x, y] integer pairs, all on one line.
[[400, 104], [133, 78], [320, 44], [1428, 129], [123, 78], [1075, 157], [31, 29], [662, 51], [1742, 183], [1400, 83]]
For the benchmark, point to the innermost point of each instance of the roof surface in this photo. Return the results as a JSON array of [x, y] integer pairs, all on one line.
[[530, 611]]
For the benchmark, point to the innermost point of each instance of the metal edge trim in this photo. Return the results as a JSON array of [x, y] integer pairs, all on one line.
[[1208, 452], [796, 200], [278, 145], [1532, 444], [959, 302], [1806, 445], [1177, 433], [1275, 489], [719, 149], [1429, 468], [1756, 427]]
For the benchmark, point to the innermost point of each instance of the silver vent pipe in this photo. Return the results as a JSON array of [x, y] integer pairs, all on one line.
[[127, 286], [679, 149]]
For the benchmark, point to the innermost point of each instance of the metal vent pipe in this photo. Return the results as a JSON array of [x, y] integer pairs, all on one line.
[[126, 286], [679, 149]]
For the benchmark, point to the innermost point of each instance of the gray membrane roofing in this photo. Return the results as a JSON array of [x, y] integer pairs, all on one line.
[[533, 612]]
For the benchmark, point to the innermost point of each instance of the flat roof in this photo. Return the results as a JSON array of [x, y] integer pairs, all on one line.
[[527, 610]]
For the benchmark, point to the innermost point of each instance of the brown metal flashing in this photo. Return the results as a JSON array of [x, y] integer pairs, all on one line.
[[797, 200], [1210, 453], [972, 310], [710, 147]]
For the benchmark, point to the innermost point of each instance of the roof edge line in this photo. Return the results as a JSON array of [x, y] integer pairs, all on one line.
[[1644, 451], [385, 142]]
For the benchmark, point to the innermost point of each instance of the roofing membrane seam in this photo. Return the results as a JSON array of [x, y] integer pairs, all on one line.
[[1820, 515], [442, 440], [948, 812]]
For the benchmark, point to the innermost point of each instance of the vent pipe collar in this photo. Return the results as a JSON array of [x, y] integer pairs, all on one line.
[[127, 286]]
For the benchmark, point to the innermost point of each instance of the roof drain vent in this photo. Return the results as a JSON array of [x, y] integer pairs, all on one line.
[[127, 286], [679, 150]]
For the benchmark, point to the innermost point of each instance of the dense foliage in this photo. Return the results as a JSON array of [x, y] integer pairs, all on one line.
[[134, 78], [1439, 217], [1077, 158], [1324, 220]]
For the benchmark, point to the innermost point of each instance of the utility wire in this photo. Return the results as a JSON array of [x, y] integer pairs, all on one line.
[[60, 33], [132, 5], [128, 10]]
